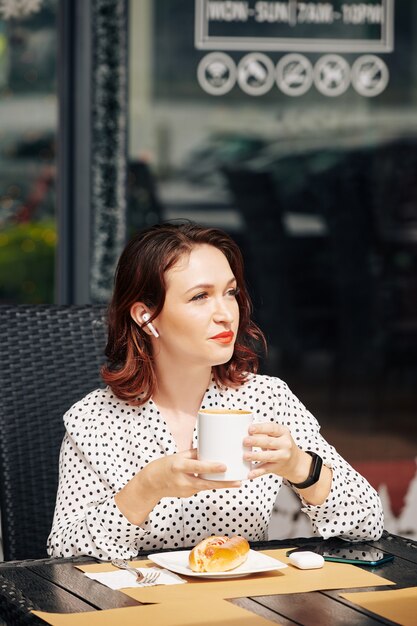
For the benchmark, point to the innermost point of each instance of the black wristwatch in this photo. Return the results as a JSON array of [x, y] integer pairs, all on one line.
[[314, 474]]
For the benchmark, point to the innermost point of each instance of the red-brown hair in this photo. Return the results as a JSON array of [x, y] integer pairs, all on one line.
[[140, 277]]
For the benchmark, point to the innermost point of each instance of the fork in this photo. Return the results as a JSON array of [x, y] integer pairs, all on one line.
[[150, 578], [144, 579]]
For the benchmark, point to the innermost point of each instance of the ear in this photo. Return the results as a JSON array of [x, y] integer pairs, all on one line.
[[141, 314], [136, 312]]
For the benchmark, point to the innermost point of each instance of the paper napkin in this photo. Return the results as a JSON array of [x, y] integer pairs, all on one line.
[[121, 579]]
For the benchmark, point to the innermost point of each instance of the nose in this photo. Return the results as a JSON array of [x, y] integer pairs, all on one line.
[[224, 311]]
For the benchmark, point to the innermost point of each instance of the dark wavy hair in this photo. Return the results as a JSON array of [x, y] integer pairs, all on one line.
[[140, 277]]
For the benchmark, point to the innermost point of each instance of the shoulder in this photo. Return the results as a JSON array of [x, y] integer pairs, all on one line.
[[273, 388], [264, 384], [98, 409], [260, 392], [269, 396], [92, 402]]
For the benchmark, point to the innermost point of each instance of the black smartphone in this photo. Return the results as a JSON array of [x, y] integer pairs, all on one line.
[[354, 553]]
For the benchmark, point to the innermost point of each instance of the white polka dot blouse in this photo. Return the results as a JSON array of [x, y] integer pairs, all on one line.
[[108, 441]]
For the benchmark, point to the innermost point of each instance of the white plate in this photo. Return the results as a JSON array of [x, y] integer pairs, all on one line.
[[255, 563]]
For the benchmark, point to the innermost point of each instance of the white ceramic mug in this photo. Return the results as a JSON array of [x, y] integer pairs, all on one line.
[[220, 438]]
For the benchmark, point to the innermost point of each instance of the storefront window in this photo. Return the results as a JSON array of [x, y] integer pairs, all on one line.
[[293, 126], [28, 117]]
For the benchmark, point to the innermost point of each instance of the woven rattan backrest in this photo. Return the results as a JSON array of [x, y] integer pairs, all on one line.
[[50, 357]]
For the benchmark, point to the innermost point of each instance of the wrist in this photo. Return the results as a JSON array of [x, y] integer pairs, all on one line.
[[136, 499], [147, 488], [300, 468], [314, 472]]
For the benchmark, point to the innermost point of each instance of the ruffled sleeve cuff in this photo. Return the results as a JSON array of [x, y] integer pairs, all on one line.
[[111, 528], [352, 509]]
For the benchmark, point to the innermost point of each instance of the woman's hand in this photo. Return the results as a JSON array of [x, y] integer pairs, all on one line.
[[279, 453], [175, 476]]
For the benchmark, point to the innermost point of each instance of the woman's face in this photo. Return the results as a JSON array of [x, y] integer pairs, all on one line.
[[200, 317]]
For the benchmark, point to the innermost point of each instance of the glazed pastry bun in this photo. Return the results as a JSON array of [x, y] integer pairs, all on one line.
[[218, 554]]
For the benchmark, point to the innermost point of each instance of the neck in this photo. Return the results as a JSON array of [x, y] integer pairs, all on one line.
[[182, 389]]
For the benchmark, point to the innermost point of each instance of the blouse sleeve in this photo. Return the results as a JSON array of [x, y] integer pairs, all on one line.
[[87, 519], [353, 508]]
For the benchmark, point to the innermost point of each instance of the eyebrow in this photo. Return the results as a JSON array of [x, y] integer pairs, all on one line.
[[209, 286]]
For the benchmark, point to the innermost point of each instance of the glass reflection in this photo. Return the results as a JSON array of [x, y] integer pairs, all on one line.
[[28, 113]]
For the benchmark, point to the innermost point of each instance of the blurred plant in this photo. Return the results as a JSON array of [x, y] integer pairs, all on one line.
[[19, 8], [27, 259]]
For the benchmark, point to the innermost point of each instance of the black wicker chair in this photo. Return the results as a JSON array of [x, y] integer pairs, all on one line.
[[50, 358]]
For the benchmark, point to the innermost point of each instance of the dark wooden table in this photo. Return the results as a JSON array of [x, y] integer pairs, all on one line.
[[55, 585]]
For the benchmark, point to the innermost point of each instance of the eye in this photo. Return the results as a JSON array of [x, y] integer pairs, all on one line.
[[199, 296], [233, 292]]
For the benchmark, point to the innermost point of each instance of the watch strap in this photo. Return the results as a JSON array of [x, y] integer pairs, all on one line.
[[314, 475]]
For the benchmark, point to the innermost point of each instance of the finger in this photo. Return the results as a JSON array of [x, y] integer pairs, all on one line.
[[261, 470], [202, 484], [203, 467], [266, 456], [268, 428], [220, 484], [263, 441], [188, 454]]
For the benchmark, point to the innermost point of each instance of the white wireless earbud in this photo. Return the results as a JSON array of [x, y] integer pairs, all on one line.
[[151, 327]]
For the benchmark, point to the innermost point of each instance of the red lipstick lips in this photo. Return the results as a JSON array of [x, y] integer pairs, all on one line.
[[226, 337]]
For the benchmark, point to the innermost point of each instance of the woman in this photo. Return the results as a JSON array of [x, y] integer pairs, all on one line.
[[180, 338]]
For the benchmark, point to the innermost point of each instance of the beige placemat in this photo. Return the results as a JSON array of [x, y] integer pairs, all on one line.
[[288, 580], [184, 613], [397, 605]]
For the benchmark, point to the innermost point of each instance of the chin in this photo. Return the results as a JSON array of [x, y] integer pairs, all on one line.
[[222, 359]]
